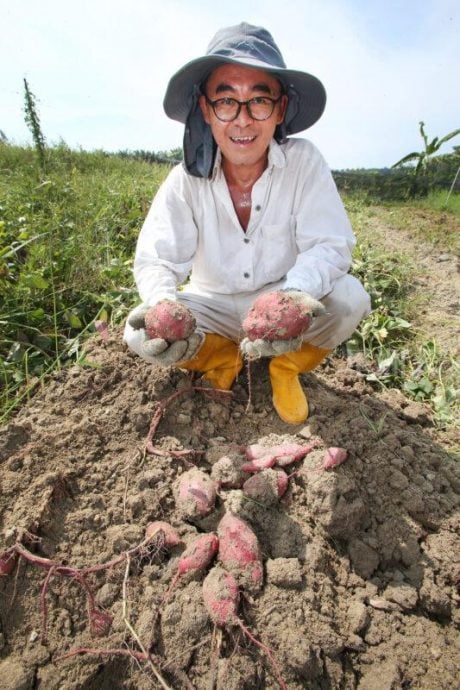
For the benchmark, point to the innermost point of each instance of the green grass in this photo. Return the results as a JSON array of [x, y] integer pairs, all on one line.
[[66, 251], [441, 201]]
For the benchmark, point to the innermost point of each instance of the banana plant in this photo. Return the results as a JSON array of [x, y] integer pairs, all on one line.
[[422, 157]]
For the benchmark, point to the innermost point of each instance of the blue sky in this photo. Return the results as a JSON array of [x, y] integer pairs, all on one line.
[[100, 68]]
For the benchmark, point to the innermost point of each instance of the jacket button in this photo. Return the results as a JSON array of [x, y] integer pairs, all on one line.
[[246, 241], [246, 275], [257, 208]]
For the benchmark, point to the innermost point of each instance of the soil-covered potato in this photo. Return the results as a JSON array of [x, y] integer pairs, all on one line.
[[170, 321], [275, 316]]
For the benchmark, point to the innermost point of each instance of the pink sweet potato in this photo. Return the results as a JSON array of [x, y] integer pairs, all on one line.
[[239, 551], [275, 316], [285, 453], [195, 559], [169, 320], [261, 463], [164, 532], [334, 456], [267, 486], [199, 554], [221, 598], [196, 494], [288, 453], [255, 450]]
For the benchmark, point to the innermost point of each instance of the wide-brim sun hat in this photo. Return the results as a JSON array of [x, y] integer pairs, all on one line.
[[251, 46]]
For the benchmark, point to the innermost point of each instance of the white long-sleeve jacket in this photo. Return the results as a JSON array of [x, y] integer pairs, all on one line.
[[298, 231]]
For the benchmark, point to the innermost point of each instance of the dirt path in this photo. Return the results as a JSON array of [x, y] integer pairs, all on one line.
[[361, 563], [437, 267]]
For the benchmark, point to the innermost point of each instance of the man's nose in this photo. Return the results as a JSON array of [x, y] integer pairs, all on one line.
[[244, 118]]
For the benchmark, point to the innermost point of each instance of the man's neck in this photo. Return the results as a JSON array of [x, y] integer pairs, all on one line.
[[243, 177]]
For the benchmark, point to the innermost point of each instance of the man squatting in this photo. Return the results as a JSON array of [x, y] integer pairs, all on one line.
[[249, 211]]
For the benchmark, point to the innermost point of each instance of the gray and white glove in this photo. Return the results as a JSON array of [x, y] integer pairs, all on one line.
[[163, 352], [277, 322]]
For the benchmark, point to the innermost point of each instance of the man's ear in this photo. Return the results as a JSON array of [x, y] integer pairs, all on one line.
[[282, 106], [204, 109]]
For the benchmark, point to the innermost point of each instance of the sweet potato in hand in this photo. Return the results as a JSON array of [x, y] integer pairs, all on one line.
[[170, 321]]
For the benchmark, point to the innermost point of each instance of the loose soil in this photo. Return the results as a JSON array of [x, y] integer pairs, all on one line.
[[361, 563]]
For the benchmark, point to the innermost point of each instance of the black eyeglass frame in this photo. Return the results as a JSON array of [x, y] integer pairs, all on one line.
[[273, 101]]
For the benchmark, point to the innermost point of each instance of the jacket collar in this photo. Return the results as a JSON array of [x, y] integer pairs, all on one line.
[[276, 159]]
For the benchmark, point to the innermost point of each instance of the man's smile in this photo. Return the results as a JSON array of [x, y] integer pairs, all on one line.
[[243, 140]]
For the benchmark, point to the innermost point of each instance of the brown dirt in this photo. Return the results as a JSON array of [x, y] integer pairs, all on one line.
[[361, 563], [435, 260]]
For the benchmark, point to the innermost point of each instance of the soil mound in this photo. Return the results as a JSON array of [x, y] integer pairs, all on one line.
[[361, 563]]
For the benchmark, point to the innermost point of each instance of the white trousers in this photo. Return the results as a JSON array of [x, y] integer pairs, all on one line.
[[346, 305]]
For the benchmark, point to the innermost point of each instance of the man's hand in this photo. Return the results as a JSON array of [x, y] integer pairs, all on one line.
[[277, 322], [159, 350]]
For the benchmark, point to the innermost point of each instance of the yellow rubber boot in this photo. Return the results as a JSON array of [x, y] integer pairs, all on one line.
[[289, 399], [219, 359]]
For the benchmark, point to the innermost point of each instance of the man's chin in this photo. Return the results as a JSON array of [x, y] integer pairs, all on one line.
[[244, 158]]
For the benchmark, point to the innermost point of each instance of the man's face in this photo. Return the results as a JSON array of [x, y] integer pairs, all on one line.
[[243, 141]]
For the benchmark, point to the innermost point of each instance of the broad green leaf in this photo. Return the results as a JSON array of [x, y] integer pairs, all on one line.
[[103, 315], [42, 342], [410, 157], [74, 321], [451, 135], [36, 281]]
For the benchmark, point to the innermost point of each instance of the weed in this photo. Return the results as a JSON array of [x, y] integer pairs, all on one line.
[[388, 337], [377, 427], [66, 251], [33, 122]]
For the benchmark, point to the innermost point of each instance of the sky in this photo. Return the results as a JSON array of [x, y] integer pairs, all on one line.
[[99, 69]]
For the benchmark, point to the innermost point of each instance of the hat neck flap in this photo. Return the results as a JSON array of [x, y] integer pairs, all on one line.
[[199, 145]]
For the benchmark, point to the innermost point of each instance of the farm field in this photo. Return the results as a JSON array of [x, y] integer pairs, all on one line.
[[360, 562]]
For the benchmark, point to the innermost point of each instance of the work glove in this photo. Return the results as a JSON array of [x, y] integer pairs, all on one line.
[[165, 353], [277, 323]]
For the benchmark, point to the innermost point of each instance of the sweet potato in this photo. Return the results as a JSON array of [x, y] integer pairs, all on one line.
[[228, 472], [275, 316], [288, 453], [221, 598], [199, 554], [334, 456], [284, 454], [267, 486], [195, 559], [164, 532], [239, 551], [258, 464], [170, 321], [256, 450], [196, 494]]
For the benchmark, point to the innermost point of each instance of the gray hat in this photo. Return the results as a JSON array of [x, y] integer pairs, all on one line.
[[252, 46]]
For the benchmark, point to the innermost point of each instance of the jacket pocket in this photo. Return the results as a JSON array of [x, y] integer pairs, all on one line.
[[279, 250]]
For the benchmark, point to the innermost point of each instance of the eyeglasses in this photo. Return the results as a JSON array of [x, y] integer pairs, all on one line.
[[228, 109]]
